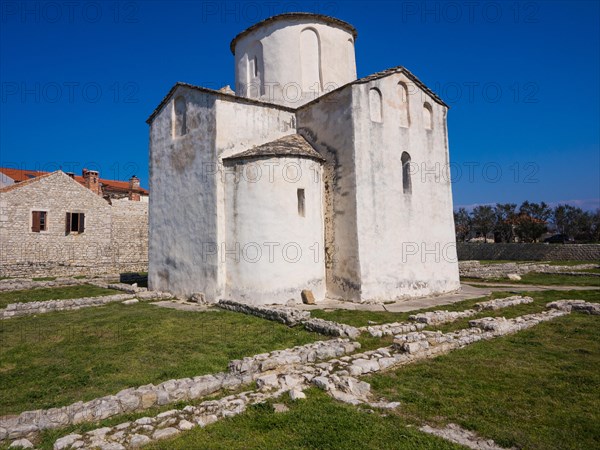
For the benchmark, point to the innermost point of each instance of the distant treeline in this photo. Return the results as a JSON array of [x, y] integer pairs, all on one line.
[[528, 223]]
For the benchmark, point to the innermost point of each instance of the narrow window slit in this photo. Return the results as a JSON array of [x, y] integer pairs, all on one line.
[[301, 203]]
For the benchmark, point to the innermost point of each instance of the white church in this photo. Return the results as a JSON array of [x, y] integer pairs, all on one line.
[[304, 178]]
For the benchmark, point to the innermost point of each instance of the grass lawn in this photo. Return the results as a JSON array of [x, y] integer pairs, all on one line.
[[553, 280], [486, 262], [56, 359], [537, 389], [58, 293], [587, 270], [541, 279], [552, 263], [317, 422], [568, 263]]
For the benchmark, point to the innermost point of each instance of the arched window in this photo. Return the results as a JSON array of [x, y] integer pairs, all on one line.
[[351, 59], [406, 181], [375, 106], [310, 61], [427, 116], [404, 111], [179, 117], [255, 86]]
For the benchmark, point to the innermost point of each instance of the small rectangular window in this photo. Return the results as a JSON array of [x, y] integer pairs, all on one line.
[[300, 194], [38, 221], [75, 223]]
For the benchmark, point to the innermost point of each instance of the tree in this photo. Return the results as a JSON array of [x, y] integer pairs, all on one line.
[[568, 219], [483, 220], [506, 215], [462, 224], [595, 228], [587, 227], [532, 221]]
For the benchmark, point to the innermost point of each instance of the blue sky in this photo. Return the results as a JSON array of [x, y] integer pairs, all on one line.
[[78, 80]]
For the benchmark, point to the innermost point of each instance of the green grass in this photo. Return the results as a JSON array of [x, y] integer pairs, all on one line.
[[569, 263], [537, 389], [540, 279], [552, 263], [358, 318], [587, 270], [486, 262], [554, 280], [59, 293], [44, 279], [56, 359], [318, 422]]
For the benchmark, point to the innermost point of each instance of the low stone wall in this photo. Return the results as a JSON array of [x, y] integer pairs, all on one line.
[[30, 308], [575, 305], [441, 317], [317, 351], [291, 317], [392, 329], [528, 252], [114, 279], [500, 303], [499, 326], [20, 284], [330, 328], [283, 314]]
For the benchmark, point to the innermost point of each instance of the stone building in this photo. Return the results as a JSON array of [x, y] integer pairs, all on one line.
[[304, 178], [52, 224]]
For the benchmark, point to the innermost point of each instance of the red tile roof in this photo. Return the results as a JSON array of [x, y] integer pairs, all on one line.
[[20, 175]]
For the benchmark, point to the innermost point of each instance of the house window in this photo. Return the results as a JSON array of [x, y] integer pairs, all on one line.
[[39, 221], [75, 223], [406, 181], [300, 194]]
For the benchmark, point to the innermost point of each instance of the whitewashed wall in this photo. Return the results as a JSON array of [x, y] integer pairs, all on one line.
[[183, 202], [296, 60], [405, 240], [273, 250]]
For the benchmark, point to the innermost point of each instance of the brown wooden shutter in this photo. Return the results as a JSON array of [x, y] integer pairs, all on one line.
[[35, 221], [81, 222], [68, 224]]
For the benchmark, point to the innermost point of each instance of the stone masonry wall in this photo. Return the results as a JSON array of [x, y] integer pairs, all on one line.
[[528, 252], [130, 235], [114, 239]]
